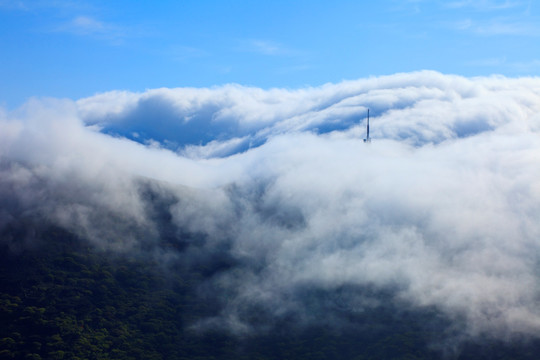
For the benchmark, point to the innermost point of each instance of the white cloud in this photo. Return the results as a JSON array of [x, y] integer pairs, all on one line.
[[418, 107], [508, 27], [266, 47], [30, 5], [77, 18], [531, 66], [442, 206], [11, 4], [485, 5], [182, 53], [87, 25], [498, 27], [495, 18], [90, 26]]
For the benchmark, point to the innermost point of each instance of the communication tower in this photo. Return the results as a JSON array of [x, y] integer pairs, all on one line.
[[367, 139]]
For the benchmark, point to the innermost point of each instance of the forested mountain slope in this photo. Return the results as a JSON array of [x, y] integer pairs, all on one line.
[[63, 298]]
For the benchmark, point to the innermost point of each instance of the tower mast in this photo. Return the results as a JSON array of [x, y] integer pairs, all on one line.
[[367, 139]]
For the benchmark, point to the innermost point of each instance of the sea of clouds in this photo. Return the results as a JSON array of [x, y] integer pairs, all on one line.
[[442, 206]]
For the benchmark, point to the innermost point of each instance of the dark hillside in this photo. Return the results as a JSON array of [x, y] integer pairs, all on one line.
[[63, 299]]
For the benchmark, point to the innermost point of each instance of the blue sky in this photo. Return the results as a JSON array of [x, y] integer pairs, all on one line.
[[76, 49]]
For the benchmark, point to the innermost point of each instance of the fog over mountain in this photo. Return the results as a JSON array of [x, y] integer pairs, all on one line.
[[439, 212]]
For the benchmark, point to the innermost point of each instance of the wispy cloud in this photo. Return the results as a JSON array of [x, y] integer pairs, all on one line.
[[493, 18], [499, 26], [76, 18], [33, 5], [411, 6], [13, 5], [484, 5], [489, 62], [266, 47], [526, 67], [182, 52], [515, 67], [295, 68], [90, 26]]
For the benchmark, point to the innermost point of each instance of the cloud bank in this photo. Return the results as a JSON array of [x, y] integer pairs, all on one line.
[[439, 211]]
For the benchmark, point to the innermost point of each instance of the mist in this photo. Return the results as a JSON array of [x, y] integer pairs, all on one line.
[[439, 212]]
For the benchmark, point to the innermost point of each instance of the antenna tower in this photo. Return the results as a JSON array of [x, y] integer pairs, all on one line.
[[367, 139]]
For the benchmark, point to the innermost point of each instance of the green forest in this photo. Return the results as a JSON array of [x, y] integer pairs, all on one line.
[[62, 298]]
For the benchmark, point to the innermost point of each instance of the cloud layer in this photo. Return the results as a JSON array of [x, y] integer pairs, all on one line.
[[440, 209]]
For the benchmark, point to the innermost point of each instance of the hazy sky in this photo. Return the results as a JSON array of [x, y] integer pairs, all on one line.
[[78, 48]]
